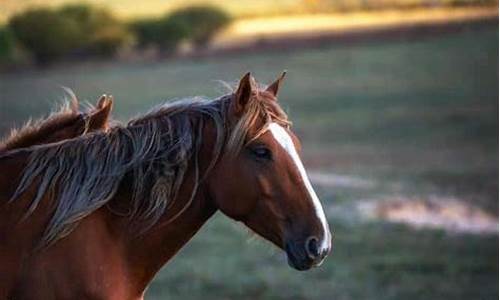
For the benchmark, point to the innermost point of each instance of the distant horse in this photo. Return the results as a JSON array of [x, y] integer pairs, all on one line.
[[66, 123], [104, 212]]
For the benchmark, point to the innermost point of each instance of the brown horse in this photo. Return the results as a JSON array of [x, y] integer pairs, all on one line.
[[108, 210], [66, 123]]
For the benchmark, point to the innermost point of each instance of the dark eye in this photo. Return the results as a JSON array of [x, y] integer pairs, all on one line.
[[261, 152]]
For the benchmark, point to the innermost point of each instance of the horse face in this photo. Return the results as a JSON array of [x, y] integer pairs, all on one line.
[[266, 187]]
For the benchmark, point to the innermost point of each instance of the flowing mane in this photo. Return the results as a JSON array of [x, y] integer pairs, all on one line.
[[33, 131], [154, 150]]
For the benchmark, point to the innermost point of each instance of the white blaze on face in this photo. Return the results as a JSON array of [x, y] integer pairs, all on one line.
[[283, 138]]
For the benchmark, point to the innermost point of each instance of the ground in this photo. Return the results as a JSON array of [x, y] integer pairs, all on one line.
[[416, 118]]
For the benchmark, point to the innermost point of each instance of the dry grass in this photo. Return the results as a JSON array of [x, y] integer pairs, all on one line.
[[268, 27], [130, 9], [446, 213]]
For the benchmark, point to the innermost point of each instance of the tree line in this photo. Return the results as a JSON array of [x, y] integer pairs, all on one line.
[[75, 31]]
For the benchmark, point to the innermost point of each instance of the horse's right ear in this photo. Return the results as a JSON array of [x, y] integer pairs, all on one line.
[[99, 118], [245, 91], [104, 101], [274, 87]]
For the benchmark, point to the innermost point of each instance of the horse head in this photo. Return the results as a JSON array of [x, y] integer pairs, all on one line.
[[264, 183]]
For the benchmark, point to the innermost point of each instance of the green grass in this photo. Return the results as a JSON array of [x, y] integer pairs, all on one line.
[[417, 117], [373, 261]]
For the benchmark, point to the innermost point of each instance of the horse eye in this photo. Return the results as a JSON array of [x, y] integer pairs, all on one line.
[[261, 152]]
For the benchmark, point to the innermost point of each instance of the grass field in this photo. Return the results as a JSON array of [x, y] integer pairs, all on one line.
[[244, 31], [419, 118]]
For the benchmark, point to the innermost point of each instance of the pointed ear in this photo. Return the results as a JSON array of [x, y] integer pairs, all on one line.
[[243, 95], [274, 87], [103, 101], [99, 118]]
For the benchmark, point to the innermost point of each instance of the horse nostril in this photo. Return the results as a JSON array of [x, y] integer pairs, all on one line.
[[312, 248]]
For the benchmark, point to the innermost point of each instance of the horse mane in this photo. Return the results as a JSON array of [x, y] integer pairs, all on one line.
[[33, 131], [153, 150]]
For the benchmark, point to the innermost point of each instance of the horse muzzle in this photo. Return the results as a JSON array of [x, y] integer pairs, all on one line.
[[306, 253]]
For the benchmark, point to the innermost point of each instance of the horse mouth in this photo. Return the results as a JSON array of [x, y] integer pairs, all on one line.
[[298, 259]]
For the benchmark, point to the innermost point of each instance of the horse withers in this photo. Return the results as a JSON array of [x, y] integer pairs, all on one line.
[[104, 212]]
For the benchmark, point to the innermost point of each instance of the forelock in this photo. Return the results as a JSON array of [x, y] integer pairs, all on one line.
[[262, 109]]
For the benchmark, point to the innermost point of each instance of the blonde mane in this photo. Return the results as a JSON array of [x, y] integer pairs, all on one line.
[[153, 150]]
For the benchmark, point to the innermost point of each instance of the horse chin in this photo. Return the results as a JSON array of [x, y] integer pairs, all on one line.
[[298, 266]]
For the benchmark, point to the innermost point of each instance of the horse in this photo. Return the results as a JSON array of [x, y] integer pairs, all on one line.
[[102, 213], [65, 123]]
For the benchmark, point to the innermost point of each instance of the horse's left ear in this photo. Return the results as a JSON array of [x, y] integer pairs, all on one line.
[[98, 119], [243, 95], [274, 87]]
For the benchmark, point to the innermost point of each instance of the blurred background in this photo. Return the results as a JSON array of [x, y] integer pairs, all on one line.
[[396, 103]]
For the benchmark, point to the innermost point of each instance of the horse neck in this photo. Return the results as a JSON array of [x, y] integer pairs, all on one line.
[[11, 169], [146, 254]]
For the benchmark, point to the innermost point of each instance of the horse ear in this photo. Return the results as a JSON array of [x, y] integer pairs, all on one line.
[[274, 87], [99, 118], [243, 94], [103, 101]]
